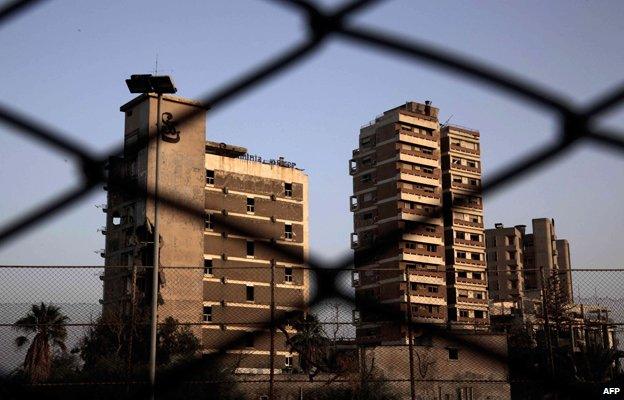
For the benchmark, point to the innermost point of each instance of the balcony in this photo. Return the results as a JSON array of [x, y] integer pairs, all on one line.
[[465, 242], [431, 175], [471, 281], [434, 137], [416, 153], [423, 252], [471, 300], [353, 167], [435, 194], [462, 222], [472, 321], [460, 167], [431, 213], [466, 150], [466, 186], [469, 261]]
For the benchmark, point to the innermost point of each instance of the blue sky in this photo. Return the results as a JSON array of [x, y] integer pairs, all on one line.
[[64, 63]]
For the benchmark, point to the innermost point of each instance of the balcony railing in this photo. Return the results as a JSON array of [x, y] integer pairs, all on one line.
[[471, 300], [466, 168], [433, 175], [419, 192], [469, 261], [465, 242], [434, 137], [467, 223], [472, 281], [434, 156], [465, 149]]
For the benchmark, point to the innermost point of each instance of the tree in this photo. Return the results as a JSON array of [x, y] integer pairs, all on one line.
[[309, 342], [47, 322]]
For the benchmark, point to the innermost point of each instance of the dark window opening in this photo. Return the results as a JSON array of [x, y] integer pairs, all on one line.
[[210, 177], [249, 293]]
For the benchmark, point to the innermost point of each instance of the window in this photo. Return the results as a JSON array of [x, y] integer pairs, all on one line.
[[427, 170], [456, 161], [473, 182], [432, 289], [251, 248], [476, 275], [288, 361], [432, 247], [410, 245], [453, 353], [251, 204], [472, 164], [479, 295], [426, 150], [479, 314], [474, 237], [463, 313], [208, 222], [462, 274], [367, 216], [207, 266], [210, 177], [475, 256], [288, 189], [511, 255], [249, 293], [367, 197], [288, 275], [207, 313], [461, 254], [288, 231], [249, 339], [367, 178], [457, 179]]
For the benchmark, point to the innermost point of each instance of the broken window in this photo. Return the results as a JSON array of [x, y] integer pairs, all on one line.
[[251, 204]]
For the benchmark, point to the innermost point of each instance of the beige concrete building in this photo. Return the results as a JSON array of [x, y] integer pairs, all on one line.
[[215, 277], [401, 170], [397, 186], [463, 227], [516, 261]]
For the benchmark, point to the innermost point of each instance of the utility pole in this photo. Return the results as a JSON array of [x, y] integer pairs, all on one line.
[[272, 354], [147, 84], [154, 325], [410, 342]]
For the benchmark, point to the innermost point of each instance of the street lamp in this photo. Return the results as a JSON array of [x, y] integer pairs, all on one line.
[[159, 84]]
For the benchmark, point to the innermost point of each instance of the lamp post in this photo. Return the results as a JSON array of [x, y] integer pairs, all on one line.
[[153, 84]]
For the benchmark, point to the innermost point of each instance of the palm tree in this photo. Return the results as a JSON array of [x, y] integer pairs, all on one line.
[[310, 343], [48, 324]]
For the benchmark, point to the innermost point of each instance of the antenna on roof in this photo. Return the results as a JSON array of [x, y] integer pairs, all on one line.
[[447, 121]]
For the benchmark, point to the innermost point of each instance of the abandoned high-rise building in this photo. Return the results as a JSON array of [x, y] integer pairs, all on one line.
[[400, 170], [463, 227], [217, 277], [517, 261]]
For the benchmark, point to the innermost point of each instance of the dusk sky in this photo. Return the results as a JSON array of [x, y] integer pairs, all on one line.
[[64, 64]]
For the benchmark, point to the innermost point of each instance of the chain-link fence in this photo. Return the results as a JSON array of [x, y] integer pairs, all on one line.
[[316, 356], [99, 349]]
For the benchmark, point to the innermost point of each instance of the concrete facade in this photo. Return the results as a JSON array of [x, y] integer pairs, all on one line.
[[218, 279], [405, 170], [470, 366], [516, 261], [464, 238]]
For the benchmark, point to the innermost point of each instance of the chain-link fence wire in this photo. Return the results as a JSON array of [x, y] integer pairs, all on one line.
[[575, 124], [236, 343]]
